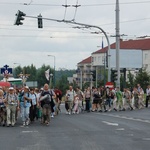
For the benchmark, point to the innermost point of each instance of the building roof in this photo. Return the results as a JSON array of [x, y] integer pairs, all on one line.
[[139, 44], [86, 61]]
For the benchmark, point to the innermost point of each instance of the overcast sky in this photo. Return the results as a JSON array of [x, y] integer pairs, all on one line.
[[26, 44]]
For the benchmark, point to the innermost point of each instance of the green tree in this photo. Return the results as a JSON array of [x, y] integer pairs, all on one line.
[[142, 78], [130, 82], [62, 84], [86, 85], [41, 75], [17, 71]]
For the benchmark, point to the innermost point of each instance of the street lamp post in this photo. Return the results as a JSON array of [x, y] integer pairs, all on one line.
[[118, 42], [50, 84], [54, 67], [17, 64], [14, 71]]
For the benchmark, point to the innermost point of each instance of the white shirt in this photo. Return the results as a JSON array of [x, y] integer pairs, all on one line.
[[70, 95], [33, 97], [148, 91]]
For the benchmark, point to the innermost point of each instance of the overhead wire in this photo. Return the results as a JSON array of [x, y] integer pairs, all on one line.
[[87, 5], [33, 36], [40, 31], [76, 7], [66, 6], [28, 3]]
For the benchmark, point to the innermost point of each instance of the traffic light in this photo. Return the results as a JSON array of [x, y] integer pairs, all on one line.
[[113, 75], [19, 18], [40, 21], [93, 73]]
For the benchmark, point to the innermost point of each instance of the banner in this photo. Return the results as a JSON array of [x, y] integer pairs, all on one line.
[[47, 74]]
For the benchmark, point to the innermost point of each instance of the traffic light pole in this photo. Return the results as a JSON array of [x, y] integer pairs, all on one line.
[[117, 43], [86, 25]]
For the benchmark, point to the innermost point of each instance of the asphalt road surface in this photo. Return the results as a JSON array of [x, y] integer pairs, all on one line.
[[129, 130]]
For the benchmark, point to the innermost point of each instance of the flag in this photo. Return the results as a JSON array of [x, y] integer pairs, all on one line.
[[47, 74]]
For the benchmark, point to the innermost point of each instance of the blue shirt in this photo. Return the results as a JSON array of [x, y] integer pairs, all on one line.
[[27, 104]]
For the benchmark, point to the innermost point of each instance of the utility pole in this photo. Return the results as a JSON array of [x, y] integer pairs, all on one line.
[[96, 68], [118, 43], [81, 76]]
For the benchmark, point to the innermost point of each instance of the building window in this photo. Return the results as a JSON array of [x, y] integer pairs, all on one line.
[[146, 56], [103, 59], [99, 59], [92, 59]]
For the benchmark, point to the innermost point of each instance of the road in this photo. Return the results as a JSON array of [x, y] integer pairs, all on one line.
[[129, 130]]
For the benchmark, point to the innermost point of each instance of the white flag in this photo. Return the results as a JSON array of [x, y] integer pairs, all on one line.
[[47, 74]]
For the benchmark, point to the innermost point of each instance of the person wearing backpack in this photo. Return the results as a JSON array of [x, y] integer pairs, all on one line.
[[33, 107], [2, 108], [70, 95], [25, 104], [118, 100], [127, 96], [47, 103], [58, 100], [11, 105]]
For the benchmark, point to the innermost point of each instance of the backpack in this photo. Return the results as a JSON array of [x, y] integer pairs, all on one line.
[[48, 96], [21, 95]]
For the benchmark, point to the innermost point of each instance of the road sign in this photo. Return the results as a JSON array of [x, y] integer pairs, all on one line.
[[110, 85], [6, 70]]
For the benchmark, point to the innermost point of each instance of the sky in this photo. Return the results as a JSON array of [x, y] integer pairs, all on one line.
[[66, 43]]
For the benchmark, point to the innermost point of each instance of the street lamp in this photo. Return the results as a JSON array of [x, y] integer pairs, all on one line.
[[54, 67], [17, 64], [14, 67]]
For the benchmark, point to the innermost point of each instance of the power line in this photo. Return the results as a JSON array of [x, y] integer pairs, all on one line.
[[123, 3], [76, 7], [51, 37], [89, 5], [134, 20], [66, 6], [40, 31]]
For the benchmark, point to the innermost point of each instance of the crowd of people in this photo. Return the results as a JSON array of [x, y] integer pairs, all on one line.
[[31, 104], [43, 104], [104, 99]]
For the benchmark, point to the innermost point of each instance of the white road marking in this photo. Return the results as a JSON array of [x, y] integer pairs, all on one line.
[[24, 126], [146, 139], [127, 118], [29, 131], [110, 124], [130, 135], [120, 129]]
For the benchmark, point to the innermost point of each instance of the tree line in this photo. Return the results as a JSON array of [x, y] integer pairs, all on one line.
[[38, 74], [142, 77]]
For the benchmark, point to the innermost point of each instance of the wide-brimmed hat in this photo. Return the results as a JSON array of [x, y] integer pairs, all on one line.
[[11, 88], [26, 87]]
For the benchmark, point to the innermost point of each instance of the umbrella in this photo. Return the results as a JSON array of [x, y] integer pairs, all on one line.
[[6, 84]]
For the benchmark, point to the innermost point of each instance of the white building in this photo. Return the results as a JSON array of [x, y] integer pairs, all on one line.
[[133, 54]]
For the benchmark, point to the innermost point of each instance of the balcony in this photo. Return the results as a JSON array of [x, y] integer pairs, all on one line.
[[87, 71]]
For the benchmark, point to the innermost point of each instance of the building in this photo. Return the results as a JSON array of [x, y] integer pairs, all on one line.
[[84, 71], [134, 54]]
